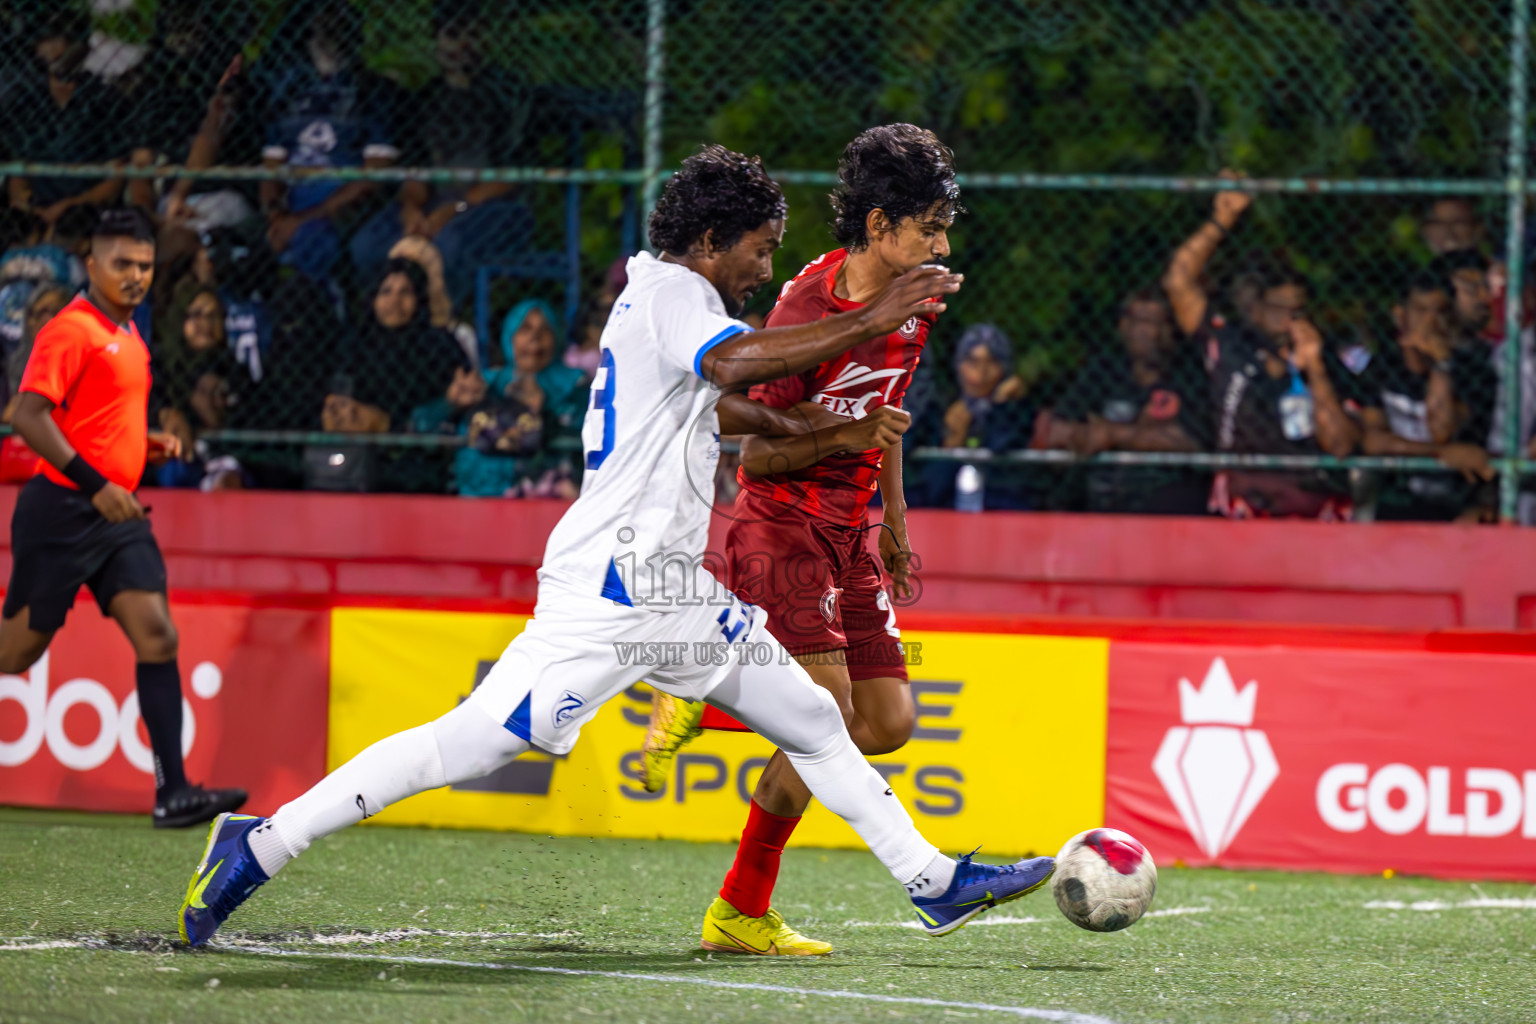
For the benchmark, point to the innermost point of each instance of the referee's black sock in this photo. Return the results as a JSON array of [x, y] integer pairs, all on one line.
[[160, 707]]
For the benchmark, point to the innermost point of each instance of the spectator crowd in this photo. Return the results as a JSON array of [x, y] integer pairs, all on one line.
[[1250, 372], [337, 304], [298, 304]]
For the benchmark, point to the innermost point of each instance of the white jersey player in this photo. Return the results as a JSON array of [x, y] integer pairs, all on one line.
[[623, 566]]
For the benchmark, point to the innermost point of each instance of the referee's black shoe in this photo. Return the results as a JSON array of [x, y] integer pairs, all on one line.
[[195, 805]]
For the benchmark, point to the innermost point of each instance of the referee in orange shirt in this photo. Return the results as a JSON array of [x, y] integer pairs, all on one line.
[[84, 407]]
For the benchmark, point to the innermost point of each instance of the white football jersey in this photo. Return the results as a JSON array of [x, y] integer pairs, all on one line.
[[638, 531]]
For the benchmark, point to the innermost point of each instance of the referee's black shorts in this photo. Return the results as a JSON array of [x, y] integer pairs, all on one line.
[[59, 541]]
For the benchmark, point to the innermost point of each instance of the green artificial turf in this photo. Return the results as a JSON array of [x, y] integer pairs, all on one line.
[[315, 944]]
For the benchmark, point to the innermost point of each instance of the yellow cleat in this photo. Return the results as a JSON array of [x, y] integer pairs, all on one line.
[[727, 930], [674, 724]]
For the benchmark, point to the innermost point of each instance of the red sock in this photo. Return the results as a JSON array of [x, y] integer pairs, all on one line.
[[749, 886]]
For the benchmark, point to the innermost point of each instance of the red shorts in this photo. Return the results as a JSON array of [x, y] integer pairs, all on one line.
[[820, 585]]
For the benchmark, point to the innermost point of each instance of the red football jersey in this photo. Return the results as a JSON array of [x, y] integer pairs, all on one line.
[[873, 373]]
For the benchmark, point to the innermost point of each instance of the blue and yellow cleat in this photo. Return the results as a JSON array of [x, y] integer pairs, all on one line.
[[227, 875], [980, 887]]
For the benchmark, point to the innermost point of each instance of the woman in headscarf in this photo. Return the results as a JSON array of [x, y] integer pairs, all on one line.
[[196, 379], [511, 418], [398, 362], [992, 412], [422, 251]]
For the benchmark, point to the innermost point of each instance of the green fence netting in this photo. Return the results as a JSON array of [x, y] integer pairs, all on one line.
[[508, 152]]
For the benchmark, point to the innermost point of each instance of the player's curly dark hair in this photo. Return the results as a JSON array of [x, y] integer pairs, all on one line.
[[715, 189], [899, 168]]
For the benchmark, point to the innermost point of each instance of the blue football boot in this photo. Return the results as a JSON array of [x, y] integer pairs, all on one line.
[[227, 875], [979, 887]]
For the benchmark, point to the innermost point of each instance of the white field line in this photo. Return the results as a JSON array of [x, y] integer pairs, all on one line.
[[354, 938], [400, 935], [1025, 1012], [243, 946], [1485, 902], [996, 919]]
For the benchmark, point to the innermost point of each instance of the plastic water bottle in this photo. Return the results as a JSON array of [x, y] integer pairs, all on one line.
[[970, 489], [1297, 410]]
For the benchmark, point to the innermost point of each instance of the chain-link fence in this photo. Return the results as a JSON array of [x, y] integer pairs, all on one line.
[[392, 229]]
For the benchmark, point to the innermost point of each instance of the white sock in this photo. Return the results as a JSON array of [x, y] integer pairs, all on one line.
[[781, 703], [270, 850], [392, 769], [934, 879]]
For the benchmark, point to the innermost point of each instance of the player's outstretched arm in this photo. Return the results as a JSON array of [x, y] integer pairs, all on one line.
[[882, 428], [752, 357], [742, 415]]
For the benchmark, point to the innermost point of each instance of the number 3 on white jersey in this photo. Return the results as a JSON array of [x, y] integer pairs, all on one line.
[[597, 431]]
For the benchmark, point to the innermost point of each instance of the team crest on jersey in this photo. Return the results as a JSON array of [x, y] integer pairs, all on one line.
[[829, 604], [566, 708], [908, 330]]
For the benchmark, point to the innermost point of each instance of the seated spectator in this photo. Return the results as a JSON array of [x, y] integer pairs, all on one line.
[[1470, 322], [1276, 388], [50, 255], [399, 361], [323, 110], [1451, 224], [420, 251], [1147, 394], [1467, 272], [43, 305], [1412, 397], [62, 114], [196, 382], [469, 116], [585, 351], [193, 107], [511, 416], [991, 412], [195, 373]]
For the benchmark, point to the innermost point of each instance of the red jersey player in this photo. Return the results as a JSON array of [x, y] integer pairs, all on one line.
[[797, 546]]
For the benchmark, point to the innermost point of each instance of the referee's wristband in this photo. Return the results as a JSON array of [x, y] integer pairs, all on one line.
[[1220, 227], [83, 475]]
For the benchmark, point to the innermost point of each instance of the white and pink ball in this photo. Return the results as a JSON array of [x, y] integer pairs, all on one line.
[[1104, 880]]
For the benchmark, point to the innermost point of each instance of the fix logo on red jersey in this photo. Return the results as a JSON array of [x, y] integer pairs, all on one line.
[[850, 376]]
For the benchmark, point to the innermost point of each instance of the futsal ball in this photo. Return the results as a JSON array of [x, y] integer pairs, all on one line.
[[1104, 880]]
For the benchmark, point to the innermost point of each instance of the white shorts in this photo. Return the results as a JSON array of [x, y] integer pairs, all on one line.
[[580, 651]]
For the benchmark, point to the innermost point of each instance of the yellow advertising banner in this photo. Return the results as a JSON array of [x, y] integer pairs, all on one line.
[[1008, 750]]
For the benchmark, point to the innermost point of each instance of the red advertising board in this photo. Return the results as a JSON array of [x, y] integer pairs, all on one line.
[[254, 687], [1334, 760]]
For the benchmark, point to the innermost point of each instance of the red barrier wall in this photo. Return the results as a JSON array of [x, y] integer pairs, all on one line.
[[254, 689], [1354, 761], [1049, 568]]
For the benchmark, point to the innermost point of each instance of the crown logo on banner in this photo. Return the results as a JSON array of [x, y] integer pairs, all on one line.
[[1214, 767], [1218, 701]]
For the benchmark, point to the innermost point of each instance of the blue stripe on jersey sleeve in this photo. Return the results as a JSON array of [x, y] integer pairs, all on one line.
[[613, 585], [519, 723], [729, 332]]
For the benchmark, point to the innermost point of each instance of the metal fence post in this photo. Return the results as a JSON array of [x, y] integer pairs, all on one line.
[[655, 85], [1514, 444]]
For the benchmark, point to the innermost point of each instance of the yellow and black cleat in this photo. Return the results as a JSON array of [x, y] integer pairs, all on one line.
[[727, 930], [674, 724]]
